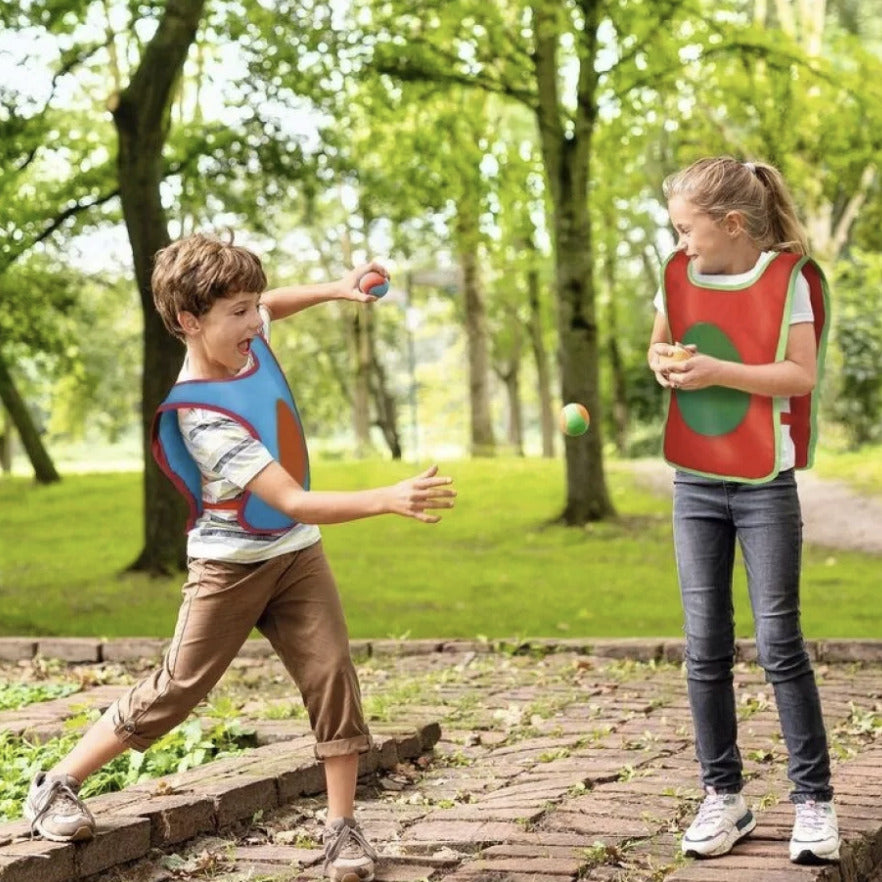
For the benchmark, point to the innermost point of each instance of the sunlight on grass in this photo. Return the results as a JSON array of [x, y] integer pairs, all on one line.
[[497, 566], [861, 469]]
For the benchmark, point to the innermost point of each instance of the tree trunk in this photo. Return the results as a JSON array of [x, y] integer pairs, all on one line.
[[384, 401], [482, 442], [359, 333], [6, 442], [616, 363], [515, 429], [508, 369], [20, 416], [540, 356], [566, 154], [361, 356], [140, 114]]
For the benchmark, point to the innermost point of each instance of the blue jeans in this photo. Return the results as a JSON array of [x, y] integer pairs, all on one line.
[[709, 515]]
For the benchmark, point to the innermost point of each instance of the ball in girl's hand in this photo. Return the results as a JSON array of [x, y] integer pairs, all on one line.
[[678, 352], [574, 419], [373, 283]]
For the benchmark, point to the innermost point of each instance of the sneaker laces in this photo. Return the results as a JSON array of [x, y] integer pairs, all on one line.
[[710, 810], [811, 817], [346, 835], [54, 792]]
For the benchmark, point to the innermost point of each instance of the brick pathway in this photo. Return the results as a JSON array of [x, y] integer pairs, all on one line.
[[548, 761]]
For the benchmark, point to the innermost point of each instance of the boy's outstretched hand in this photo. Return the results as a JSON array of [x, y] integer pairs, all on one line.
[[349, 282], [416, 497]]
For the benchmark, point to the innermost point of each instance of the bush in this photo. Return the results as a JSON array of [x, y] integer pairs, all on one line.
[[858, 336]]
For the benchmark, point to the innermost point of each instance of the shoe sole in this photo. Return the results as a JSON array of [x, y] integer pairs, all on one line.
[[79, 835], [807, 858], [738, 833], [351, 876]]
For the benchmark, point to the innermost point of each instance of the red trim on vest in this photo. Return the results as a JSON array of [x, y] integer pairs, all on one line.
[[753, 319]]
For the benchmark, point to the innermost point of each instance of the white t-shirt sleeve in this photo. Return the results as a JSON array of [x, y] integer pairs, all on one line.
[[801, 308]]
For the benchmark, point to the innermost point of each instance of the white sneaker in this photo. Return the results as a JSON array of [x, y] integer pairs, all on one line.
[[722, 819], [55, 810], [349, 857], [815, 836]]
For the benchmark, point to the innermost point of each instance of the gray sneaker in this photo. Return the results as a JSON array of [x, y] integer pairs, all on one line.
[[55, 811], [348, 855]]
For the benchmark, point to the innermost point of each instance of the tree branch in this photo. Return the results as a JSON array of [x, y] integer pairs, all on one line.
[[56, 222]]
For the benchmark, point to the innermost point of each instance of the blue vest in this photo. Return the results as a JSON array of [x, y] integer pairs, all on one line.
[[261, 401]]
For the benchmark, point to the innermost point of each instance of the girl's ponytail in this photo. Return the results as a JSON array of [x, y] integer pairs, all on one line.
[[786, 231]]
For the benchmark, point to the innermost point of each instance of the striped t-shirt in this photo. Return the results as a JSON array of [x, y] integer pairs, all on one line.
[[229, 457]]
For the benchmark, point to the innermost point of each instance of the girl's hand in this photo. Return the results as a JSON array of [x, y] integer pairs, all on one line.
[[658, 357], [697, 372], [416, 497]]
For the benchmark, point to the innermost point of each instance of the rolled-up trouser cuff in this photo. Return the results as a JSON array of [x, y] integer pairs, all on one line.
[[343, 747], [125, 730]]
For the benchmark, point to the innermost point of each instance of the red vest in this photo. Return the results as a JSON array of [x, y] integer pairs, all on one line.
[[722, 432]]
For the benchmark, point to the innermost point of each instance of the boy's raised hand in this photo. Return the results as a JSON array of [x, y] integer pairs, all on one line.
[[349, 282], [416, 497]]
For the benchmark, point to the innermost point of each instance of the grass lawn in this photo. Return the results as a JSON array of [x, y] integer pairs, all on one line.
[[861, 469], [494, 567]]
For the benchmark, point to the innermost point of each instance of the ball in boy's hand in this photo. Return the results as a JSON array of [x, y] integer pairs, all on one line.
[[373, 283], [574, 419]]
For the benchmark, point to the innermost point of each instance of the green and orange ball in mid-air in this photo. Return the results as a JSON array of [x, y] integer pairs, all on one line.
[[574, 419]]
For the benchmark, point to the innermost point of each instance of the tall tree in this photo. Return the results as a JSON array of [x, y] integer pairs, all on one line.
[[141, 116]]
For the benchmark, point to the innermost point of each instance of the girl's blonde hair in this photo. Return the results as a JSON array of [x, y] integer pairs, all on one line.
[[756, 190], [190, 275]]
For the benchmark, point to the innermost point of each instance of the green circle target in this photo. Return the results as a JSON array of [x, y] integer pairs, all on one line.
[[716, 410]]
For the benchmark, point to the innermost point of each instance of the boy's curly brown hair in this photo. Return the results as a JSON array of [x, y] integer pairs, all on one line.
[[192, 273]]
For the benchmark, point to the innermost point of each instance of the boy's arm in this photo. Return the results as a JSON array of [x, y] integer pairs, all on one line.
[[283, 302], [414, 498]]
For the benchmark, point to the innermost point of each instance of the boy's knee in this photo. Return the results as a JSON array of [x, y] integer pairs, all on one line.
[[140, 719]]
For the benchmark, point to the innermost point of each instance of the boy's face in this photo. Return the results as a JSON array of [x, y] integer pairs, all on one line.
[[219, 340], [707, 242]]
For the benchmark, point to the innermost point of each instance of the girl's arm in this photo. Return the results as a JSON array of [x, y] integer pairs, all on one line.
[[414, 498], [659, 348], [795, 375], [282, 302]]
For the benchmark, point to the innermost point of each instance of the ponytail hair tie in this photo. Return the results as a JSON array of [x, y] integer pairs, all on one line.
[[750, 167]]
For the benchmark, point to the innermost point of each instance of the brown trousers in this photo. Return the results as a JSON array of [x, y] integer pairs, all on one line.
[[293, 601]]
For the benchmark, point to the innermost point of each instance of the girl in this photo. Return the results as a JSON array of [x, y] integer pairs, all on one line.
[[751, 310]]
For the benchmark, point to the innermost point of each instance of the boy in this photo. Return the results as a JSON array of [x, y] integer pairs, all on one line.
[[229, 436]]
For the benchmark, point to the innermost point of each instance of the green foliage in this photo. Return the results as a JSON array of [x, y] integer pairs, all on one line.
[[185, 747], [858, 330], [15, 695]]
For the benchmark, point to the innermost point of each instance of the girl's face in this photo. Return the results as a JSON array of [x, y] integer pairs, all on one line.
[[707, 242], [219, 340]]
